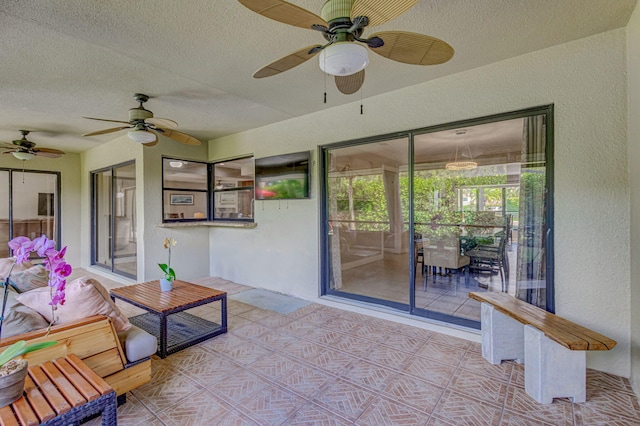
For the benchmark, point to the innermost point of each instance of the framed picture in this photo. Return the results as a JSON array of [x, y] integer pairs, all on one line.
[[181, 199]]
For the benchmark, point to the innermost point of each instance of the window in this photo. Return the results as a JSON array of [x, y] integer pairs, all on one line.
[[29, 206], [233, 191], [184, 190]]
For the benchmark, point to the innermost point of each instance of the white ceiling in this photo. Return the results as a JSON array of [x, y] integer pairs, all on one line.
[[64, 59]]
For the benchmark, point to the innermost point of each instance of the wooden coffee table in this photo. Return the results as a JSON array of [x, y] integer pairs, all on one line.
[[61, 392], [166, 318]]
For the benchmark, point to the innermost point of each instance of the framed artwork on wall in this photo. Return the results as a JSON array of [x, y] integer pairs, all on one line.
[[181, 199]]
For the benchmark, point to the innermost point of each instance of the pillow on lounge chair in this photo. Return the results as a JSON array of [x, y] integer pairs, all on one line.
[[34, 277], [6, 264], [21, 319], [84, 297]]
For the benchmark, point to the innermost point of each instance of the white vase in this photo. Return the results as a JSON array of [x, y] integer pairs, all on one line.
[[165, 284]]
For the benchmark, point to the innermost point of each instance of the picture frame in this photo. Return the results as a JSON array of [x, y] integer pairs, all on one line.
[[181, 199]]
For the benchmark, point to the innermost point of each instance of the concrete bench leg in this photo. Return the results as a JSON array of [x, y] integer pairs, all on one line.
[[551, 370], [502, 336]]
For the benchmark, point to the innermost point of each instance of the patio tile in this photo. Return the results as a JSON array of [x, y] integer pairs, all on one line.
[[344, 398], [463, 410], [441, 352], [196, 410], [435, 372], [415, 392], [272, 405], [479, 386], [305, 381], [560, 412], [368, 375], [314, 415], [383, 411], [238, 386]]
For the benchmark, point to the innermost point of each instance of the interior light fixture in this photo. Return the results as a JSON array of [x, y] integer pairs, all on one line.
[[141, 136], [461, 165], [22, 155], [176, 164], [344, 58]]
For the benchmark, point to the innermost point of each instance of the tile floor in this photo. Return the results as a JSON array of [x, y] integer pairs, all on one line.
[[325, 366]]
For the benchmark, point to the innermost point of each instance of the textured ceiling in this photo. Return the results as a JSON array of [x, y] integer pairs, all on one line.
[[64, 59]]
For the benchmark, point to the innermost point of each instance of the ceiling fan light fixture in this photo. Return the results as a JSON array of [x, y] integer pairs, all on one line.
[[22, 155], [343, 58], [141, 136]]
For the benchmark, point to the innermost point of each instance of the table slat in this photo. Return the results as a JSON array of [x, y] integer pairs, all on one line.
[[38, 401], [49, 390], [7, 418], [67, 389], [96, 381], [25, 413], [77, 380]]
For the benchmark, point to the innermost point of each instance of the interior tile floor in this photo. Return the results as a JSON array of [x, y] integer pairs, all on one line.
[[325, 366]]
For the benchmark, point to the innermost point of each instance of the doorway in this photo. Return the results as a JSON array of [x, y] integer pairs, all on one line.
[[114, 241], [416, 221]]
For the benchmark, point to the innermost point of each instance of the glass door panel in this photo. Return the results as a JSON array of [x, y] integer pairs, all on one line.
[[124, 228], [114, 219], [367, 189], [472, 187], [102, 218]]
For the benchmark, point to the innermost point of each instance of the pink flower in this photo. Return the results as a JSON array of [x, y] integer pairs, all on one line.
[[44, 246], [22, 248], [58, 268]]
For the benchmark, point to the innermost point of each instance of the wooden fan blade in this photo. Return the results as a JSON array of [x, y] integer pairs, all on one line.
[[413, 48], [111, 130], [286, 63], [284, 12], [46, 152], [350, 84], [380, 11], [177, 136], [164, 123], [104, 119]]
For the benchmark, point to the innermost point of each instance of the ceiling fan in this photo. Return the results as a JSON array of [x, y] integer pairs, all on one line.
[[24, 149], [342, 23], [145, 127]]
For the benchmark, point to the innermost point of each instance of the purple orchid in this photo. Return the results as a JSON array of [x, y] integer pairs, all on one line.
[[58, 268]]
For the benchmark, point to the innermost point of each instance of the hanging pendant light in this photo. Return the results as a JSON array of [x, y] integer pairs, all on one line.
[[461, 165]]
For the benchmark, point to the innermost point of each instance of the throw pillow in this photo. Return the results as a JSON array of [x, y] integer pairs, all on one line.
[[6, 264], [84, 297], [21, 319], [34, 277]]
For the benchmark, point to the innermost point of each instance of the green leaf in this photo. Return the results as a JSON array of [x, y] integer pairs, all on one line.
[[21, 348]]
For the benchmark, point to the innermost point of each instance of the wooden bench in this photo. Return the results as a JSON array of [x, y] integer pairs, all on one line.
[[95, 342], [551, 347]]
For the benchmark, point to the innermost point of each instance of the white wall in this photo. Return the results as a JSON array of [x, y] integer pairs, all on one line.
[[633, 58], [585, 79], [191, 255], [69, 167]]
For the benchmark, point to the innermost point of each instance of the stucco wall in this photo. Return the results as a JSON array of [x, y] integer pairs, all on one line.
[[585, 79], [69, 167], [633, 58], [192, 251]]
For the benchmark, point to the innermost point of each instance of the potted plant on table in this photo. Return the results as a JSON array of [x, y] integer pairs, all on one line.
[[166, 283], [14, 371]]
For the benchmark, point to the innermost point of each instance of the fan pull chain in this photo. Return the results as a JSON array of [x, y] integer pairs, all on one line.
[[361, 107], [325, 81]]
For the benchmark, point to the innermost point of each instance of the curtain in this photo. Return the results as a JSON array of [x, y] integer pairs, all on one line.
[[530, 267]]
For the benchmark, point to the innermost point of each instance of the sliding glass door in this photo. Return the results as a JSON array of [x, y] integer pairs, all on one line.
[[114, 219], [367, 187], [416, 222]]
